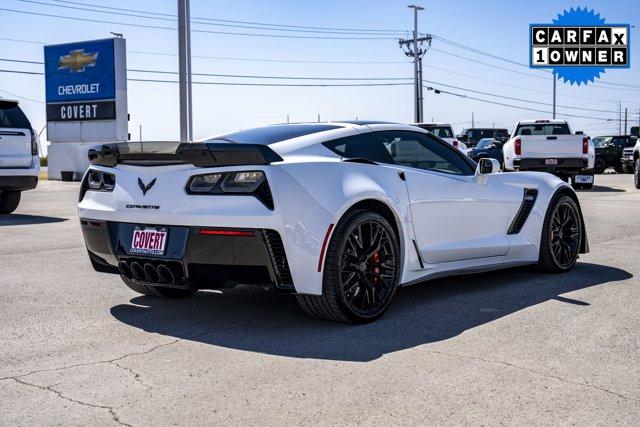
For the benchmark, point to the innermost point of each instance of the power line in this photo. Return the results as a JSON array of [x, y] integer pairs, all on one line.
[[49, 15], [231, 21], [21, 97], [195, 20], [517, 99], [229, 58], [513, 106]]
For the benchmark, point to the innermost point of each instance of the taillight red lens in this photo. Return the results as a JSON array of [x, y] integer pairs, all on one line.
[[34, 142], [585, 145], [206, 232], [518, 146]]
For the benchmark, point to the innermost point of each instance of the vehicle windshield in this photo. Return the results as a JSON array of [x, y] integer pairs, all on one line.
[[272, 134], [601, 141], [486, 143], [11, 116], [543, 129], [439, 131]]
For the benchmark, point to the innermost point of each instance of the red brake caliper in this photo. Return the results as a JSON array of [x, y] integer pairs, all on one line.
[[375, 258]]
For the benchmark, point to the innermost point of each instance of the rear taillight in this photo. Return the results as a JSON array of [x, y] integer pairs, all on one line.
[[455, 143], [34, 142], [585, 145], [517, 144]]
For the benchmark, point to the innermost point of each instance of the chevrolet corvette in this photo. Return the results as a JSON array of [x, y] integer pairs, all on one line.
[[340, 214]]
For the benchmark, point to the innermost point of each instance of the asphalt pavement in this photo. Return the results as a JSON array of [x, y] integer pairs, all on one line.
[[512, 347]]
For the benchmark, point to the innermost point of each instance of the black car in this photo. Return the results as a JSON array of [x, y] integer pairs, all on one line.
[[487, 148], [473, 135], [609, 151]]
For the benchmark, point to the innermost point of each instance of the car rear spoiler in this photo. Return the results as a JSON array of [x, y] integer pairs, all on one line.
[[198, 154]]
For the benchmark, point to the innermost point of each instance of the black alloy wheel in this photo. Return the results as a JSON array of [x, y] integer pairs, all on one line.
[[565, 235], [361, 270], [368, 268]]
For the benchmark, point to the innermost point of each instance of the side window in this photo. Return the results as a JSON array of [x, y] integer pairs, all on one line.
[[420, 151], [366, 146]]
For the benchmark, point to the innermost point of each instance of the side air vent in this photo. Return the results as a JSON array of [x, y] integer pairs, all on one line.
[[528, 200], [279, 259]]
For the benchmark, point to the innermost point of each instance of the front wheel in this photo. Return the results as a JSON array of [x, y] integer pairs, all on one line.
[[561, 236], [9, 201], [361, 271], [600, 165], [636, 174], [156, 291]]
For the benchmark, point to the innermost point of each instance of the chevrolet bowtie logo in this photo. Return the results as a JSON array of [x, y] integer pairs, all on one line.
[[77, 60]]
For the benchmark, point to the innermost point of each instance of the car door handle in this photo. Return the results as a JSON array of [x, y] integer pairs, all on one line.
[[401, 175], [552, 137]]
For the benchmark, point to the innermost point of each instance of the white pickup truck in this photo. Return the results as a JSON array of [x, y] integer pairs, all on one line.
[[550, 146], [19, 161]]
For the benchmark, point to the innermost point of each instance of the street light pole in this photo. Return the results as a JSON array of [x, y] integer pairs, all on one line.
[[554, 94]]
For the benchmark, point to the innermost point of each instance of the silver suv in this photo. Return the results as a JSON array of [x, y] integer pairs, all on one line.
[[19, 161]]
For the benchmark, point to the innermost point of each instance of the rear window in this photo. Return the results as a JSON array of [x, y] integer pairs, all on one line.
[[439, 131], [543, 129], [478, 134], [272, 134], [11, 116]]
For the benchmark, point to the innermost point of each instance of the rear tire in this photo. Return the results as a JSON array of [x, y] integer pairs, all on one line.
[[361, 271], [561, 236], [9, 201], [600, 165], [157, 291]]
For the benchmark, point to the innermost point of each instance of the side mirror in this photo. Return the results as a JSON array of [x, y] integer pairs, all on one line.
[[487, 166]]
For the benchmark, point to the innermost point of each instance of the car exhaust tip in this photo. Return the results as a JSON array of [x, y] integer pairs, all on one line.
[[125, 270], [150, 273], [137, 271], [165, 275]]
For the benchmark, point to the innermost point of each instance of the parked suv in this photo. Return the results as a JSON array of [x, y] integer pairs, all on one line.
[[19, 161], [609, 150], [473, 135]]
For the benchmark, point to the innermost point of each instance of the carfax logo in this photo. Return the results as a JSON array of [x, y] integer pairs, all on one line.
[[578, 46]]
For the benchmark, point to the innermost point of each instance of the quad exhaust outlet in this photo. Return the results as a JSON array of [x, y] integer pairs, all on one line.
[[151, 272]]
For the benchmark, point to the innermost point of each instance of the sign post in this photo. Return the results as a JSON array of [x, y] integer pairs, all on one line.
[[86, 94]]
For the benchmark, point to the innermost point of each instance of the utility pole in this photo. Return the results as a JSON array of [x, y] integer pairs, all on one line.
[[184, 70], [287, 118], [554, 94], [140, 133], [472, 121], [412, 50], [619, 117], [625, 120]]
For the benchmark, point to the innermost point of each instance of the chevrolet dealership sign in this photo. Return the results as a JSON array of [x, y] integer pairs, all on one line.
[[86, 91]]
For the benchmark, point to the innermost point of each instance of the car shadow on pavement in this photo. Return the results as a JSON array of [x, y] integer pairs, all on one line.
[[15, 219], [257, 320], [603, 189]]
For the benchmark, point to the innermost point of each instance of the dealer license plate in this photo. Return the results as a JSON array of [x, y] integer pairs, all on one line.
[[583, 179], [551, 162], [148, 241]]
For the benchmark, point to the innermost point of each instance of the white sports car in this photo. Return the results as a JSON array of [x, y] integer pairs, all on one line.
[[340, 214]]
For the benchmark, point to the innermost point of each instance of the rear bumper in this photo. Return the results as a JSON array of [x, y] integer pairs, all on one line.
[[571, 165], [198, 261], [18, 182]]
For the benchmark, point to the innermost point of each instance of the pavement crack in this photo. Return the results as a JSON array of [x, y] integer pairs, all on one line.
[[543, 374], [50, 389]]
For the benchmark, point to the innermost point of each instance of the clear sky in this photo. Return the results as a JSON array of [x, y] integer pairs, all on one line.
[[496, 27]]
